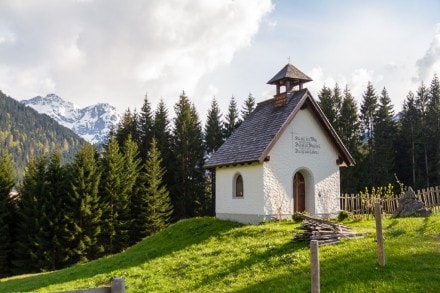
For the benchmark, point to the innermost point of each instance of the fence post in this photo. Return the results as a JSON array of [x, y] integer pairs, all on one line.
[[118, 285], [379, 235], [314, 260]]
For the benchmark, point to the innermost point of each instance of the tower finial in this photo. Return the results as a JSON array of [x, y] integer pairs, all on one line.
[[288, 60]]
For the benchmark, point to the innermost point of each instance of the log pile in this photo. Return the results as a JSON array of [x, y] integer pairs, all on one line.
[[323, 231]]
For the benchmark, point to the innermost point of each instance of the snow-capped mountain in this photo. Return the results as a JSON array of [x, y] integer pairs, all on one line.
[[92, 123]]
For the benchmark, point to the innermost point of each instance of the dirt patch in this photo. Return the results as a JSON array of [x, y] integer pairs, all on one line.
[[437, 237]]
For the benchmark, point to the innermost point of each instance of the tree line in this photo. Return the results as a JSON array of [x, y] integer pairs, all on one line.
[[150, 173], [388, 147]]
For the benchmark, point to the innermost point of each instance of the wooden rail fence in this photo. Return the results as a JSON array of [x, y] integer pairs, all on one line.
[[356, 204]]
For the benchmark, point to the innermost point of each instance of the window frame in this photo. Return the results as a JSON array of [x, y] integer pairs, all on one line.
[[238, 185]]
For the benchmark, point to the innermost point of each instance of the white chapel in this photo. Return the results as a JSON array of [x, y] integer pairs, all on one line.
[[284, 158]]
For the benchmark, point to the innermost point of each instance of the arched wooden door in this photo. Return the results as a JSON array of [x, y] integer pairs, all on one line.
[[299, 193]]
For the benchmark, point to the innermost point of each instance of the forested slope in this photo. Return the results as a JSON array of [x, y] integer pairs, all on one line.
[[25, 133]]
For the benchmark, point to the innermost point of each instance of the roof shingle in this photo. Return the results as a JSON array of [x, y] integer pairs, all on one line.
[[290, 72], [250, 141]]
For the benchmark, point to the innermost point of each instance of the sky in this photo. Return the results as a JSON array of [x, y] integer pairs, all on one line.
[[114, 51]]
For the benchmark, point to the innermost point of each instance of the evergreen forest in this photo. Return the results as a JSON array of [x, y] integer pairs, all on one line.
[[25, 133], [151, 172]]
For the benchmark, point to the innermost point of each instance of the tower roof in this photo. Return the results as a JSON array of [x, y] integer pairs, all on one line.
[[290, 72]]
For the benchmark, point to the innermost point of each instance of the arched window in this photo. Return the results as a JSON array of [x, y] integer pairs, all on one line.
[[238, 186]]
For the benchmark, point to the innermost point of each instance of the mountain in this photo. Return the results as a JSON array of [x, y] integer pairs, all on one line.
[[25, 133], [92, 123]]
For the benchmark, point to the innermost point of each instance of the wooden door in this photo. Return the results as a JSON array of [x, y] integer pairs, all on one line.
[[299, 193]]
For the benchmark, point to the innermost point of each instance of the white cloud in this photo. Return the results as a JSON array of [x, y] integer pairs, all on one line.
[[430, 62], [27, 81], [90, 51], [356, 81]]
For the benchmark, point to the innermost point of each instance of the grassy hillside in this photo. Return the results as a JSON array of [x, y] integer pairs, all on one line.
[[209, 255]]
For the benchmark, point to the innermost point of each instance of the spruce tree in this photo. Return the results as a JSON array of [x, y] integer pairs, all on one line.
[[128, 209], [232, 118], [52, 232], [159, 208], [385, 132], [409, 145], [434, 129], [422, 102], [112, 196], [368, 112], [248, 107], [187, 146], [213, 140], [162, 134], [83, 212], [349, 132], [330, 103], [145, 128], [31, 191], [213, 129], [126, 127], [139, 202], [7, 182]]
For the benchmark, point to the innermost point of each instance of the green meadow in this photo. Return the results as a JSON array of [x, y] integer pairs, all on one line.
[[210, 255]]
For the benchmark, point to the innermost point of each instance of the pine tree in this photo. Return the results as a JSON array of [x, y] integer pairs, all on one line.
[[249, 106], [83, 212], [139, 203], [187, 147], [127, 126], [213, 140], [368, 112], [409, 143], [51, 235], [162, 134], [31, 191], [422, 102], [434, 129], [330, 103], [7, 182], [385, 132], [232, 119], [349, 131], [159, 208], [349, 123], [213, 129], [145, 128], [128, 208], [111, 196]]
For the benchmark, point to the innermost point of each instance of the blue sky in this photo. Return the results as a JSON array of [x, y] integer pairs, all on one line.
[[344, 42], [90, 51]]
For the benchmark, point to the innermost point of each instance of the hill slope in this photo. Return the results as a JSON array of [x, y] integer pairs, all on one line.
[[209, 255], [25, 133]]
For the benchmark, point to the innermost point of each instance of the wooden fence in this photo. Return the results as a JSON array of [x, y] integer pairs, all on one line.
[[356, 204]]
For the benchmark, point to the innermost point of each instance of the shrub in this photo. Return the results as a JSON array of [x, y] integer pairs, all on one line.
[[296, 217], [343, 215]]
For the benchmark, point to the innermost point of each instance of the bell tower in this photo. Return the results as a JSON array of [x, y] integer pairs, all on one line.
[[288, 79]]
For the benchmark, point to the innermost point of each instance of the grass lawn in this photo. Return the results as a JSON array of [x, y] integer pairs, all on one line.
[[209, 255]]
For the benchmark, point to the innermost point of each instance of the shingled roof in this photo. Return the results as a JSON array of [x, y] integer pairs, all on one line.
[[290, 72], [255, 137]]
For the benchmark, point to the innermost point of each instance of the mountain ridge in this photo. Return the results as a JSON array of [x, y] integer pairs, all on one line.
[[93, 123]]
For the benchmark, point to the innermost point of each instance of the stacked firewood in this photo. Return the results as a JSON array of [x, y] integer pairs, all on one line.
[[323, 231]]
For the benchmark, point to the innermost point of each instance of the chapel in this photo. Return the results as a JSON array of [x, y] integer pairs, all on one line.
[[284, 158]]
